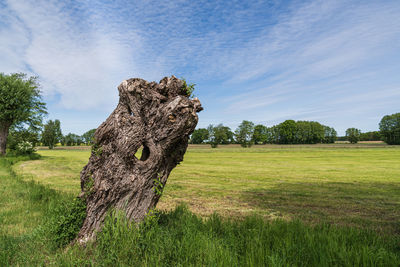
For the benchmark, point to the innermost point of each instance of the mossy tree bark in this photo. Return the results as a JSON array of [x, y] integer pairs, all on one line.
[[157, 117]]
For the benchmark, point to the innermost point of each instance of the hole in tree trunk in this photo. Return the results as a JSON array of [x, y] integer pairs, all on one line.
[[143, 153]]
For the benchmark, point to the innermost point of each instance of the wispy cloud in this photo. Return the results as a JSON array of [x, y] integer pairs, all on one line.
[[260, 60], [83, 67]]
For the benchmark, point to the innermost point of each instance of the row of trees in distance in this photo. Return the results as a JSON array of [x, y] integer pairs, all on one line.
[[295, 132], [247, 134], [22, 111], [52, 135]]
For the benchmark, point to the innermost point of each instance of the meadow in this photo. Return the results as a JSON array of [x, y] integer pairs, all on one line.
[[276, 205]]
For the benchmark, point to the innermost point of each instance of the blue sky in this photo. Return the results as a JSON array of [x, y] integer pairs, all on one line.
[[336, 62]]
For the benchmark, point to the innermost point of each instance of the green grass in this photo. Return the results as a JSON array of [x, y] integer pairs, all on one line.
[[30, 216], [279, 206], [353, 185], [180, 238]]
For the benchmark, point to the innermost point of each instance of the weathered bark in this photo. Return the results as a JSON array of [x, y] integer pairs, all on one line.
[[159, 118], [4, 128]]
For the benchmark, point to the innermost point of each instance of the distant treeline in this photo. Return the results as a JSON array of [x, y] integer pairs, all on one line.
[[367, 136], [247, 134], [294, 132], [77, 140], [50, 136]]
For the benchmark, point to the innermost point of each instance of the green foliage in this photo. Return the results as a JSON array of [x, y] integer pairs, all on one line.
[[353, 135], [158, 185], [51, 134], [188, 89], [88, 137], [219, 134], [20, 101], [25, 148], [244, 134], [371, 136], [260, 134], [38, 216], [295, 132], [19, 135], [199, 136], [180, 238], [66, 220], [20, 105], [287, 132], [390, 129], [72, 140], [97, 149], [330, 135]]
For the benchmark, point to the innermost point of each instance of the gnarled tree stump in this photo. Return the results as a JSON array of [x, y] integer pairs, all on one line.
[[159, 118]]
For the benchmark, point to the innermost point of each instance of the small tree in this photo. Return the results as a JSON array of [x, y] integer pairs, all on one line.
[[88, 137], [390, 129], [330, 135], [62, 140], [260, 134], [79, 140], [72, 139], [244, 134], [353, 135], [219, 134], [18, 136], [213, 139], [199, 136], [51, 134], [20, 103]]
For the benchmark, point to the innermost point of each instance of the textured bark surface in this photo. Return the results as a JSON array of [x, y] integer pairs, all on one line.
[[159, 118]]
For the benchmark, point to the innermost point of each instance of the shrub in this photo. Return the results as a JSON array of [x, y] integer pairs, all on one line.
[[25, 148], [188, 88], [66, 221]]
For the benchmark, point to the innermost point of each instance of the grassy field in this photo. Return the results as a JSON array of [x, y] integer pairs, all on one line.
[[357, 185], [335, 205]]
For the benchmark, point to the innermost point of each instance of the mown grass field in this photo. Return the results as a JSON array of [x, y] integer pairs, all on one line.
[[335, 205], [357, 185]]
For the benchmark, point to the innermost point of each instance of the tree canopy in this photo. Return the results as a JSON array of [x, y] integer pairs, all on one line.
[[72, 140], [298, 132], [20, 104], [353, 135], [260, 134], [199, 136], [51, 134], [390, 129], [244, 134], [88, 137], [219, 134]]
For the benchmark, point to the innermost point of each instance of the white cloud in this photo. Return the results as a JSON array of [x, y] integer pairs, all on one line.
[[83, 67], [280, 60]]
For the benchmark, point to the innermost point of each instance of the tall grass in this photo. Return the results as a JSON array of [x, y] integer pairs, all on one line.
[[40, 220], [178, 238]]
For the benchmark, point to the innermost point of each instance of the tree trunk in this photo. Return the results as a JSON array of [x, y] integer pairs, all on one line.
[[4, 127], [157, 117]]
